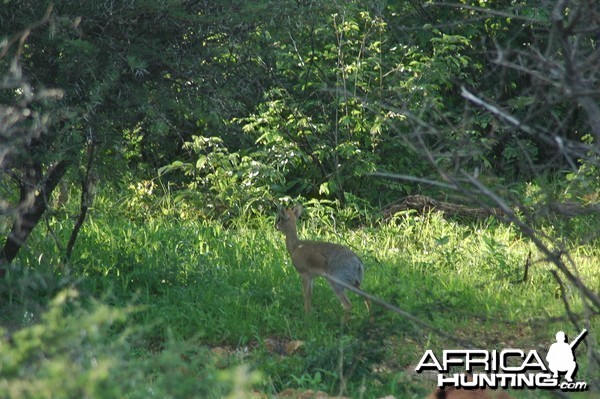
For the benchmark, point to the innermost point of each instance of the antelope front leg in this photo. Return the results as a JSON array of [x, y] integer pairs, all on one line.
[[307, 286]]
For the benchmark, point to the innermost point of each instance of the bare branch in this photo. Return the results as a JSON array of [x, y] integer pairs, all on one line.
[[401, 312]]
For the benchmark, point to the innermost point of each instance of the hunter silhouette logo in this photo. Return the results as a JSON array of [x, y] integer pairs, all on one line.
[[507, 368], [560, 356]]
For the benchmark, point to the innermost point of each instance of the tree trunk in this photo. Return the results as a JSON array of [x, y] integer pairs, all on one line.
[[33, 202]]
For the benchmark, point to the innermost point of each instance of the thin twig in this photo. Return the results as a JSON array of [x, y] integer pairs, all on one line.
[[487, 11], [403, 313], [563, 295], [534, 237], [24, 34], [421, 180], [527, 264]]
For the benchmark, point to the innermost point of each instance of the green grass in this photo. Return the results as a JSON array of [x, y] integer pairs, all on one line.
[[196, 300]]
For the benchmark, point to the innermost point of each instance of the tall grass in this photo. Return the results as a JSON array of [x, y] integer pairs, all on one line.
[[197, 292]]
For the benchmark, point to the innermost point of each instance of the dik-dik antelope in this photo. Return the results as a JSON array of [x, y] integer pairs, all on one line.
[[316, 258]]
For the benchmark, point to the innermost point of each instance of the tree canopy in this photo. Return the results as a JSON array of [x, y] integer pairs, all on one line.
[[235, 105]]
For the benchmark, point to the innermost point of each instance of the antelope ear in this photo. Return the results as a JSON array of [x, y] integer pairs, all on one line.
[[297, 210], [281, 212]]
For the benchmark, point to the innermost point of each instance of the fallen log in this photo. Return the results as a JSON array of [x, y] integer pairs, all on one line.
[[423, 204]]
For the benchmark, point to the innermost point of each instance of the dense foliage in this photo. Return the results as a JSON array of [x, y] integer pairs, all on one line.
[[145, 143], [241, 104], [188, 308]]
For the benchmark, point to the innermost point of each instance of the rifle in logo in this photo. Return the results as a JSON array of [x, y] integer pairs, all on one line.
[[507, 368], [560, 356]]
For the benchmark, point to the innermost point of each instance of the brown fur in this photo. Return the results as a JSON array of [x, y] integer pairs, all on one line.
[[315, 258]]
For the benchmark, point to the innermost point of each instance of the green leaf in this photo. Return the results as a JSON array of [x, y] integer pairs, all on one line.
[[324, 188], [175, 165], [201, 161]]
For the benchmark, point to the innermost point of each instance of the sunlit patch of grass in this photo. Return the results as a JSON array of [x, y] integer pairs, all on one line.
[[198, 281]]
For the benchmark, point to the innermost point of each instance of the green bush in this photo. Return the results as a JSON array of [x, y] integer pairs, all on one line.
[[79, 350]]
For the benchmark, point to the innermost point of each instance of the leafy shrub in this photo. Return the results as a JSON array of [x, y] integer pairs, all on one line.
[[226, 184], [84, 351]]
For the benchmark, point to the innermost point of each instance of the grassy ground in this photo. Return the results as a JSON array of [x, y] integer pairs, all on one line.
[[188, 308]]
